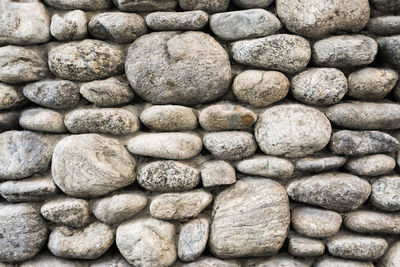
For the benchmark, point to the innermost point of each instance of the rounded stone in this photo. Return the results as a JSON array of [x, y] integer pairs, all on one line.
[[212, 262], [210, 6], [385, 193], [193, 239], [44, 120], [334, 262], [384, 25], [392, 256], [253, 3], [90, 165], [319, 164], [79, 4], [368, 222], [178, 68], [386, 5], [217, 172], [9, 121], [177, 21], [388, 47], [46, 259], [10, 97], [305, 247], [145, 5], [373, 165], [292, 130], [267, 166], [69, 26]]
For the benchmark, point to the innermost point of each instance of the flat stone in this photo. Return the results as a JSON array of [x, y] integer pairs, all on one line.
[[212, 262], [79, 4], [168, 176], [319, 164], [46, 259], [373, 165], [43, 120], [9, 121], [251, 218], [267, 166], [210, 6], [319, 86], [69, 26], [177, 21], [178, 68], [335, 262], [282, 52], [193, 239], [217, 172], [90, 165], [388, 47], [279, 260], [335, 191], [10, 97], [253, 3], [384, 25], [145, 5], [292, 130], [86, 243], [392, 256], [385, 193], [368, 222], [305, 247]]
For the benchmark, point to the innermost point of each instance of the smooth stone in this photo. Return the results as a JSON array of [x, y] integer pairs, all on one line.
[[391, 257], [384, 25], [217, 172], [250, 218], [147, 242], [118, 208], [386, 5], [367, 222], [9, 121], [60, 94], [336, 191], [389, 47], [279, 260], [336, 262], [281, 52], [359, 143], [193, 239], [212, 262], [86, 243], [178, 68], [69, 26], [319, 164], [305, 247], [344, 51], [267, 166], [210, 6], [90, 165], [319, 86], [79, 4], [292, 130], [145, 5], [373, 165], [169, 118], [10, 97], [46, 259], [230, 145], [168, 176], [111, 260], [86, 60], [385, 193], [253, 3], [177, 21], [43, 120]]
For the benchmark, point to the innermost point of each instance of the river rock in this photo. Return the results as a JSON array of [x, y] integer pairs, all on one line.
[[388, 47], [305, 247], [178, 68], [193, 239], [319, 164], [177, 21], [79, 4], [217, 172], [278, 260], [267, 166], [367, 222], [46, 259], [10, 97], [9, 121], [386, 5], [384, 25], [43, 120], [69, 26], [335, 262], [145, 5], [392, 256], [385, 193], [373, 165], [212, 262], [110, 259], [210, 6], [252, 3]]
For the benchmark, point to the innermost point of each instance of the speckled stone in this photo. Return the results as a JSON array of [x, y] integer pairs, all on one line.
[[305, 247], [385, 193], [43, 120], [69, 26], [145, 5], [392, 256], [10, 97], [367, 222], [193, 239], [384, 25], [373, 165], [212, 262], [177, 21], [335, 262], [319, 164], [210, 6], [79, 4], [267, 166], [253, 3], [217, 172], [388, 47]]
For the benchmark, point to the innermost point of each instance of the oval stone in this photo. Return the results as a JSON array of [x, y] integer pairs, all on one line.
[[389, 47], [44, 120], [177, 21], [10, 97], [391, 257], [368, 222], [385, 193], [384, 25], [79, 4], [373, 165], [267, 166], [319, 164], [210, 6], [252, 3], [305, 247], [69, 26], [335, 262], [145, 5], [193, 239]]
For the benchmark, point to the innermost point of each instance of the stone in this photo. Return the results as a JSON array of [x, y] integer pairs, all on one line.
[[357, 247], [24, 153], [316, 19], [145, 5], [112, 259], [292, 130], [319, 86], [90, 165], [179, 206], [244, 24], [388, 47], [250, 218], [117, 27], [371, 84], [230, 145], [335, 191], [116, 121], [252, 3], [372, 165], [392, 256], [316, 223], [260, 88], [335, 262], [24, 23], [319, 164], [305, 247], [147, 242], [36, 188], [172, 145], [223, 117], [21, 64], [110, 92], [43, 120], [46, 259], [178, 68], [281, 52], [9, 121], [119, 207], [267, 166], [10, 97], [79, 4], [359, 143], [279, 260], [177, 21], [210, 6], [386, 5], [59, 94], [368, 222], [211, 262], [385, 193], [344, 51], [86, 243], [23, 232], [217, 172], [168, 176], [384, 25], [169, 118], [69, 26], [67, 211], [193, 239], [86, 60]]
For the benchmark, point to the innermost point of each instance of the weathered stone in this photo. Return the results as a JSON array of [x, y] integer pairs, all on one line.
[[145, 5], [319, 86], [385, 193], [319, 164], [86, 60], [210, 6], [111, 260], [69, 26], [388, 47], [386, 5], [336, 191], [147, 242], [193, 239], [90, 165], [9, 121], [211, 262], [335, 262], [384, 25], [392, 257], [282, 52], [292, 130], [260, 88], [267, 166], [177, 21], [44, 120], [217, 172], [305, 247], [46, 259], [373, 165], [253, 3], [344, 51], [178, 68], [79, 4], [368, 222], [279, 260], [251, 218], [87, 243], [10, 96]]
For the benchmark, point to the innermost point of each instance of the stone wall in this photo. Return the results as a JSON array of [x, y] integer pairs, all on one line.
[[199, 133]]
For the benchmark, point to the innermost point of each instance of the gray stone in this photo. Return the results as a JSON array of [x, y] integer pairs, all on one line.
[[178, 68], [305, 247], [9, 121], [292, 130], [193, 239], [210, 6], [217, 172], [336, 262], [385, 193], [373, 165], [86, 243], [251, 218], [69, 26], [392, 256], [384, 25], [177, 21], [44, 120], [10, 97], [90, 165], [79, 4], [279, 260], [282, 52], [344, 51], [253, 3], [147, 242], [368, 222], [388, 47], [386, 5], [86, 60], [111, 260], [211, 262], [46, 259], [335, 191], [319, 86], [260, 88], [60, 94], [319, 164], [267, 166], [145, 5], [168, 176]]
